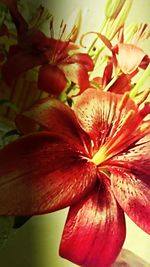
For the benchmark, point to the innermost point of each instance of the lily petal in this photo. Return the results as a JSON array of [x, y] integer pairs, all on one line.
[[129, 57], [41, 173], [95, 229], [97, 112], [76, 73], [133, 194], [121, 85], [58, 49], [83, 59], [107, 74], [112, 122], [51, 79], [55, 116], [135, 158], [19, 63]]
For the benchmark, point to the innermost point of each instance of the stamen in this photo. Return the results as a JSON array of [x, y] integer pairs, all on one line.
[[141, 34], [63, 31], [142, 97], [101, 37], [122, 132], [144, 126], [124, 136], [145, 110], [122, 104], [100, 156], [73, 33], [57, 52], [51, 26], [115, 143], [130, 31]]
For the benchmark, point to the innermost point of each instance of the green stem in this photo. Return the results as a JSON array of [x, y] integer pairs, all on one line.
[[95, 40], [141, 81]]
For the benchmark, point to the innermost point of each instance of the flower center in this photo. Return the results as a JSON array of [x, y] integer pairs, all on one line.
[[100, 156]]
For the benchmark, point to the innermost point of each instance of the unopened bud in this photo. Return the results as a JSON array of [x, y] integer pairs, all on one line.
[[112, 8]]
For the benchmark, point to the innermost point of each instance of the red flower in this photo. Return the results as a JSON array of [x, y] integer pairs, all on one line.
[[94, 159], [62, 66], [34, 49], [128, 58]]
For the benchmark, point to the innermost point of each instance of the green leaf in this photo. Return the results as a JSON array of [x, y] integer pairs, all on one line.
[[6, 228], [10, 133], [3, 10], [9, 104]]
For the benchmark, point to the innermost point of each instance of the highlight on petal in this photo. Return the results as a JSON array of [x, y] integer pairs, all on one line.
[[129, 57], [133, 194], [95, 229], [92, 110], [41, 173], [51, 79], [76, 73], [83, 59]]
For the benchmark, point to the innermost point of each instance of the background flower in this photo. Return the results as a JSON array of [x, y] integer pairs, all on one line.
[[51, 223]]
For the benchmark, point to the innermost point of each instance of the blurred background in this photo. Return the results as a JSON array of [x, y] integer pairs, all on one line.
[[36, 244]]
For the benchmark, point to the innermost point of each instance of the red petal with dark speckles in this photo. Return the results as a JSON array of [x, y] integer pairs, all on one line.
[[41, 173], [95, 229], [133, 194]]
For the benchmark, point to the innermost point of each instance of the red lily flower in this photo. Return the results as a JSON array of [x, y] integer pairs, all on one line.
[[34, 49], [94, 159], [128, 58], [62, 66]]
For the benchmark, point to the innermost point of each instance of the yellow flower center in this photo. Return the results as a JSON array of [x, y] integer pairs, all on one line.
[[100, 156]]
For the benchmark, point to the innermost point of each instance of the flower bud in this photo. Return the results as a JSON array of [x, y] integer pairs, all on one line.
[[112, 8]]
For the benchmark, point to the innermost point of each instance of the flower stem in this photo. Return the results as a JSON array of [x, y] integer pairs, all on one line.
[[140, 83]]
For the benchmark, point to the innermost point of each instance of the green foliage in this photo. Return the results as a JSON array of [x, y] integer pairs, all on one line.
[[3, 11], [9, 104], [6, 224]]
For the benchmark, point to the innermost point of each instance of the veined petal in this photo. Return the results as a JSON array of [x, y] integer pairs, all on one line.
[[92, 110], [129, 57], [41, 173], [136, 158], [51, 79], [99, 114], [76, 73], [55, 116], [113, 122], [95, 229], [19, 63], [133, 194]]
